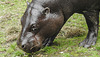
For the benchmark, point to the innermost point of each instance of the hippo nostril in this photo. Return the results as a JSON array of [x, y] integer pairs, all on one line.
[[23, 46]]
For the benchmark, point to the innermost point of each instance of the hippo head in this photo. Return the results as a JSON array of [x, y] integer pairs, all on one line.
[[38, 24]]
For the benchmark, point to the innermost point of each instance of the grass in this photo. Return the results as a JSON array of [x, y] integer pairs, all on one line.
[[65, 44]]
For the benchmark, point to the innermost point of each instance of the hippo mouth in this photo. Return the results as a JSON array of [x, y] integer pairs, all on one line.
[[46, 42], [32, 50]]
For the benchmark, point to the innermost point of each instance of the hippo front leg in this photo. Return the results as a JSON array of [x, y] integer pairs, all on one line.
[[92, 19], [49, 41]]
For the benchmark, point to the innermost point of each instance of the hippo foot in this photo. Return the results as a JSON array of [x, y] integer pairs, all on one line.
[[87, 43], [48, 42]]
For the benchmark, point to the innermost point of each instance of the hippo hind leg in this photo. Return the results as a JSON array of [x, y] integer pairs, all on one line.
[[92, 19]]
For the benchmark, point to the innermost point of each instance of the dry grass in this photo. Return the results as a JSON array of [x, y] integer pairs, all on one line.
[[12, 30], [70, 32], [12, 34]]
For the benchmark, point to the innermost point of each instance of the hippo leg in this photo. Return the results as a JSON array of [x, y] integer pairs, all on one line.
[[51, 39], [92, 19]]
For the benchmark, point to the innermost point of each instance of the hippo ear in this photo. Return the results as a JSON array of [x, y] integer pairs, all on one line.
[[46, 10], [28, 3]]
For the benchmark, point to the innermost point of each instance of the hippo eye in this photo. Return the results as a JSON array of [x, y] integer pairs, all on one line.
[[33, 27]]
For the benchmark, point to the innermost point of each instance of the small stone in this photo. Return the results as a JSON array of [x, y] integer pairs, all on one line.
[[61, 52]]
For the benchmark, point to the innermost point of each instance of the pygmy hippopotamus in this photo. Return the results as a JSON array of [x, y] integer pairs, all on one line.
[[43, 19]]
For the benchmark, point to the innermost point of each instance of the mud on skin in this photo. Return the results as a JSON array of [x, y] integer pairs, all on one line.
[[43, 20]]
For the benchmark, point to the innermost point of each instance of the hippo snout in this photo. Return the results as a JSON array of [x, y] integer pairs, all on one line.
[[29, 45], [29, 48]]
